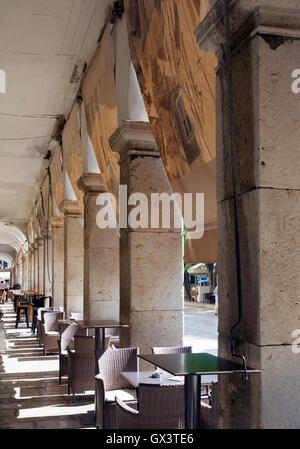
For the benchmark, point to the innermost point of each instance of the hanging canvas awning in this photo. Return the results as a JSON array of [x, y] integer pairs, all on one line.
[[57, 176], [40, 213], [100, 101], [177, 81], [72, 154], [47, 200], [30, 228]]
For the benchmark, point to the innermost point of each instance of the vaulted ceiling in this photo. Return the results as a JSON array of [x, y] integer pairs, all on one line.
[[43, 48]]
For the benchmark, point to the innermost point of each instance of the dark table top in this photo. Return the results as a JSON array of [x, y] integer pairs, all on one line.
[[145, 377], [99, 323], [201, 363]]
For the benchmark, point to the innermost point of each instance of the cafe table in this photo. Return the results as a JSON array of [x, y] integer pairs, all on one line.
[[99, 326], [192, 366], [145, 377]]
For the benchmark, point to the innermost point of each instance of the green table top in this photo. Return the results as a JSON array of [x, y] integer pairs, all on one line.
[[195, 363]]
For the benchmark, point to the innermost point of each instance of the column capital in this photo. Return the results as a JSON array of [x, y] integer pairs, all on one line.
[[40, 241], [272, 18], [46, 234], [57, 222], [133, 138], [70, 207], [91, 182]]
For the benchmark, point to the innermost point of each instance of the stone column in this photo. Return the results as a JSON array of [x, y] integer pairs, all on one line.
[[265, 52], [13, 276], [47, 263], [25, 271], [41, 269], [73, 256], [36, 265], [32, 267], [29, 268], [101, 256], [57, 225], [151, 260]]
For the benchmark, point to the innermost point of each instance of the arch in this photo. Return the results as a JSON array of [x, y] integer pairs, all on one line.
[[12, 236], [7, 258]]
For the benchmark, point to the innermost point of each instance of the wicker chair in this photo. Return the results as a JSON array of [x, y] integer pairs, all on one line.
[[160, 407], [110, 382], [76, 315], [113, 333], [209, 413], [67, 333], [49, 331], [81, 365], [40, 320], [2, 297], [171, 349]]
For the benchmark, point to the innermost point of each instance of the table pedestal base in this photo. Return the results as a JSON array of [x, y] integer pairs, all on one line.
[[192, 385]]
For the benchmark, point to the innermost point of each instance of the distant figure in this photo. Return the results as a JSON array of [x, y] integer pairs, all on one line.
[[216, 299], [7, 286], [2, 285]]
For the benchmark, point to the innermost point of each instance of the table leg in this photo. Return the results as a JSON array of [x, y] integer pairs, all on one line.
[[99, 339], [99, 344], [192, 386]]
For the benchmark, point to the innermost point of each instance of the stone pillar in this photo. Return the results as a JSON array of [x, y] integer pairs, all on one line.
[[36, 265], [13, 276], [57, 225], [29, 269], [25, 271], [151, 260], [32, 267], [41, 269], [73, 256], [267, 135], [47, 263], [101, 256]]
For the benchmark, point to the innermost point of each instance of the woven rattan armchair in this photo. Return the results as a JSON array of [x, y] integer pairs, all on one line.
[[109, 383], [67, 333], [160, 407], [209, 412], [40, 320], [81, 365], [76, 315], [49, 331], [171, 349]]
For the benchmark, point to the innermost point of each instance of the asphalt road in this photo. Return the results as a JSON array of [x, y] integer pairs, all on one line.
[[201, 330]]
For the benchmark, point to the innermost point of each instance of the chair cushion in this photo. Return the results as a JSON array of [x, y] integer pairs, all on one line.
[[128, 394]]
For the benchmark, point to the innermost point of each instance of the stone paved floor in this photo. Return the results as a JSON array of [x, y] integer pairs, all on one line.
[[30, 395]]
